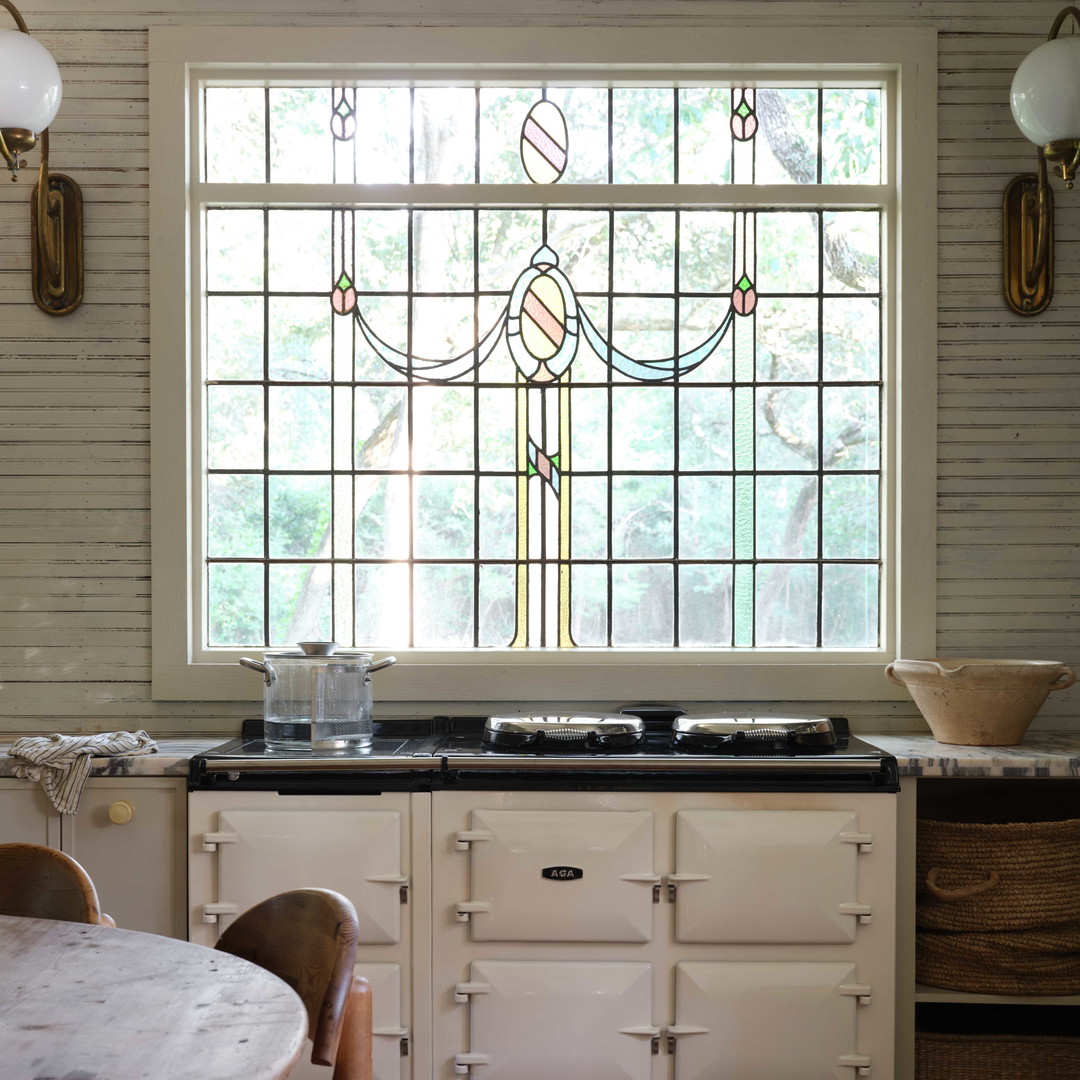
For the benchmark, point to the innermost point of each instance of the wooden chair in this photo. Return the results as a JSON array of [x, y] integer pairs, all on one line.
[[307, 937], [42, 883]]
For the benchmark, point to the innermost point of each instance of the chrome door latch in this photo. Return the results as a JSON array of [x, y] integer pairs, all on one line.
[[859, 1062], [211, 840], [673, 880], [465, 908]]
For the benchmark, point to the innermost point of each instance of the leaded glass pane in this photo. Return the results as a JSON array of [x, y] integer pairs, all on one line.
[[705, 517], [851, 136], [235, 142], [786, 605], [641, 602], [300, 152], [298, 427], [705, 609], [299, 516], [443, 517], [787, 517], [444, 122], [234, 337], [849, 602], [298, 249], [234, 525], [300, 603], [850, 516], [235, 427], [444, 606], [234, 250], [235, 603], [300, 349]]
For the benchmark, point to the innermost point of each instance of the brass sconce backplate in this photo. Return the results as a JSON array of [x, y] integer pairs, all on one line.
[[57, 271], [1029, 273]]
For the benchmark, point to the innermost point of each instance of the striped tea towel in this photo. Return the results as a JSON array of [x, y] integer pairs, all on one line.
[[61, 763]]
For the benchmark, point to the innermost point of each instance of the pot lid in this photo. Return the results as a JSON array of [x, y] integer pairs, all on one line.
[[774, 731], [317, 651], [567, 726]]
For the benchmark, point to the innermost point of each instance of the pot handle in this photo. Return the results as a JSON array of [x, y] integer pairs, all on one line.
[[1066, 678], [385, 662], [267, 670], [894, 678]]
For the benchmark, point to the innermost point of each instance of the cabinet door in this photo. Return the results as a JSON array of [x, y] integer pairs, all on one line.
[[783, 876], [26, 815], [388, 1036], [535, 1020], [561, 875], [354, 852], [129, 835], [766, 1021]]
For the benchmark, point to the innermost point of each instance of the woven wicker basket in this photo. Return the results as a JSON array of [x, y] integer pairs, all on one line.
[[996, 1057], [977, 872], [1044, 961]]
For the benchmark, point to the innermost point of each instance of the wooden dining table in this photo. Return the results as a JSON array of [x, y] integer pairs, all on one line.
[[82, 1002]]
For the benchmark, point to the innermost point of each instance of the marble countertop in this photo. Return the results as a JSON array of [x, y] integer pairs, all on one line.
[[171, 759], [1041, 754]]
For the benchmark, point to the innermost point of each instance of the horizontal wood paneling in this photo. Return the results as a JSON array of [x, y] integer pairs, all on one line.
[[74, 436]]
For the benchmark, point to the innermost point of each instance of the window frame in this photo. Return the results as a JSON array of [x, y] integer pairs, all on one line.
[[904, 57]]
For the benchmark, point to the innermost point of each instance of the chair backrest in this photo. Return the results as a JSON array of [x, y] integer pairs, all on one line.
[[307, 937], [43, 883]]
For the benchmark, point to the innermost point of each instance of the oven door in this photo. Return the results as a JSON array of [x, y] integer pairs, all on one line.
[[559, 875], [799, 1017], [768, 875], [535, 1019]]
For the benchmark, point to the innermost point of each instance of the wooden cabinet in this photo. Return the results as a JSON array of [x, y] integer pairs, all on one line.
[[129, 834]]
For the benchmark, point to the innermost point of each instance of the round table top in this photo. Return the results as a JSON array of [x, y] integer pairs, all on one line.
[[104, 1004]]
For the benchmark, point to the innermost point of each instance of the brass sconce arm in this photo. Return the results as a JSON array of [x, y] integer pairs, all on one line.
[[56, 217]]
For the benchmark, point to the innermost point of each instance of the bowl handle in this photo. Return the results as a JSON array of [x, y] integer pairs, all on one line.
[[1066, 678], [893, 677]]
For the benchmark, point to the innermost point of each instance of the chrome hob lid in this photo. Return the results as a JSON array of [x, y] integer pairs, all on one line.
[[598, 732], [752, 734]]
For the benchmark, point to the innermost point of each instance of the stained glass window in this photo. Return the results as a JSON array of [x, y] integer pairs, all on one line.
[[536, 420]]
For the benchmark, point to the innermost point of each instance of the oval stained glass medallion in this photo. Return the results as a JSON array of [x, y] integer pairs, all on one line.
[[543, 143]]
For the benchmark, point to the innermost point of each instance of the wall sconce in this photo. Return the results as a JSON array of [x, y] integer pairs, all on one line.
[[30, 90]]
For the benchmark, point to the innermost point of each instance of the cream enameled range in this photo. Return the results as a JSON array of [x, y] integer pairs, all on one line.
[[644, 914]]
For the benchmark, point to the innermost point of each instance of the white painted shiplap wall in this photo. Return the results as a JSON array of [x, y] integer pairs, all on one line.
[[74, 397]]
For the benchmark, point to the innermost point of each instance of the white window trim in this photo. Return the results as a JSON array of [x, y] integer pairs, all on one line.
[[178, 55]]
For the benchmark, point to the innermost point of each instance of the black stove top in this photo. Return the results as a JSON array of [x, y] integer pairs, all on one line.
[[452, 752]]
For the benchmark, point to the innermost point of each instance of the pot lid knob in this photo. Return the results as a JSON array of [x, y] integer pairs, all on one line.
[[318, 648]]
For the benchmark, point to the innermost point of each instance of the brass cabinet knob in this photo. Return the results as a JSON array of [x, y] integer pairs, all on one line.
[[121, 812]]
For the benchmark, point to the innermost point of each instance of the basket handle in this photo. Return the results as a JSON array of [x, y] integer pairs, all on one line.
[[964, 891]]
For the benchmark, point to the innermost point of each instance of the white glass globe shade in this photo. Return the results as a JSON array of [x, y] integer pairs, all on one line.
[[1046, 92], [30, 84]]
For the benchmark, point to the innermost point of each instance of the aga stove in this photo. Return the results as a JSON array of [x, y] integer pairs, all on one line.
[[645, 895]]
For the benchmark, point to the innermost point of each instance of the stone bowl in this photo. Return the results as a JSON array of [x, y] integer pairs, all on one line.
[[972, 702]]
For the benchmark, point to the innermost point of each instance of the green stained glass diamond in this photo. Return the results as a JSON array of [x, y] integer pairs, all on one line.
[[744, 283], [743, 109], [344, 282]]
